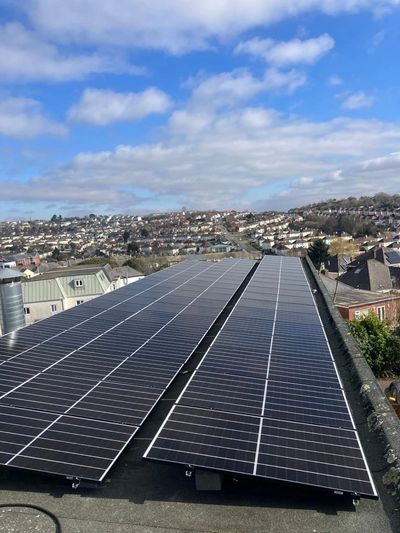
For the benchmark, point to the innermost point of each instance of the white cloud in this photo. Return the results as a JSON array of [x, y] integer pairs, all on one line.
[[335, 80], [378, 38], [173, 25], [288, 81], [229, 162], [358, 100], [25, 56], [283, 53], [23, 118], [101, 107], [354, 179], [231, 88]]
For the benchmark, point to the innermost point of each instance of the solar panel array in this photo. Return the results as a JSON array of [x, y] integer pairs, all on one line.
[[75, 388], [266, 399], [393, 257]]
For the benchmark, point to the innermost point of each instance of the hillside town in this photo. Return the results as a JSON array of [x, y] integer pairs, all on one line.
[[66, 261]]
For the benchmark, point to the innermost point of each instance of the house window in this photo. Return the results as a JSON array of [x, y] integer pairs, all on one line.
[[79, 283], [79, 302], [381, 312], [54, 308], [27, 310], [360, 314]]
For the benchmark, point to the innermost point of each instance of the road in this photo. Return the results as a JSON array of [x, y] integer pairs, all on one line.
[[242, 243]]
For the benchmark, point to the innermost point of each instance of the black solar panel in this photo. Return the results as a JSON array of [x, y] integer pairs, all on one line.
[[393, 257], [112, 308], [266, 399], [77, 398]]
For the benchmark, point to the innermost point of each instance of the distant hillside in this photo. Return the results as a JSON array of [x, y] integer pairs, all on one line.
[[378, 201]]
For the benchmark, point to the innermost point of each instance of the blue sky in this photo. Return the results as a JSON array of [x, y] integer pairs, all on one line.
[[148, 106]]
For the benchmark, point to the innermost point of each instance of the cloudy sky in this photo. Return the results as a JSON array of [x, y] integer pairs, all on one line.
[[136, 106]]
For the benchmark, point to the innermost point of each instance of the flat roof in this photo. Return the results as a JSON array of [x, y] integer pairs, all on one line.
[[154, 498]]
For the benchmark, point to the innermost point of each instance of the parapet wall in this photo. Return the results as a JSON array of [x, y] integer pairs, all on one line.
[[381, 417]]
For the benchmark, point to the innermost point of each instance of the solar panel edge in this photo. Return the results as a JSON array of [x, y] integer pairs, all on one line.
[[148, 456], [341, 383], [189, 381], [41, 321], [235, 285]]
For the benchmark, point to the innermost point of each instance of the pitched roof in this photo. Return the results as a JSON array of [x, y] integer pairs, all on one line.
[[8, 273], [347, 296], [61, 283], [369, 271], [125, 272]]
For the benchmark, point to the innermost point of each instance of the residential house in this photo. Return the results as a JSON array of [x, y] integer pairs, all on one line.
[[355, 303], [50, 293], [336, 265]]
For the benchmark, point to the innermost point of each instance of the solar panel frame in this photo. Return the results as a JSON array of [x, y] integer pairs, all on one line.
[[47, 324], [92, 401], [229, 398]]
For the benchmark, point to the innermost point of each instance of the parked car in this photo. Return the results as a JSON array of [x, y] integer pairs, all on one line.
[[393, 392]]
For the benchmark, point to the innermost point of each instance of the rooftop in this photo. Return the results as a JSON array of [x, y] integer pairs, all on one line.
[[71, 271], [154, 498], [8, 273], [349, 296]]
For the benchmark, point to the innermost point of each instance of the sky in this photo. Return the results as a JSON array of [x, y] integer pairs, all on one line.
[[137, 106]]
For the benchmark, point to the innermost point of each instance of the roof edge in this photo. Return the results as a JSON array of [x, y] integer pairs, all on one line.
[[381, 417]]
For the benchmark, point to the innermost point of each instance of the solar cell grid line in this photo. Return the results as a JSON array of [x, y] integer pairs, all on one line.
[[42, 446], [60, 339], [71, 315], [305, 431], [164, 370], [27, 334], [268, 366], [43, 364], [215, 382], [92, 445], [79, 364], [301, 461]]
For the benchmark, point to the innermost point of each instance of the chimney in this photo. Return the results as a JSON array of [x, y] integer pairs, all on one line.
[[11, 303]]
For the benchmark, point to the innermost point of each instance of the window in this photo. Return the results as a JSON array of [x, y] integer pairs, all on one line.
[[79, 302], [381, 312], [360, 314], [79, 283], [54, 308], [27, 310]]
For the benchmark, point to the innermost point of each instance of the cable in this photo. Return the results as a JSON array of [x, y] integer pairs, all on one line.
[[37, 508]]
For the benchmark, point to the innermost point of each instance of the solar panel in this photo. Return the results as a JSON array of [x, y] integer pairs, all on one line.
[[112, 308], [393, 257], [87, 398], [266, 399]]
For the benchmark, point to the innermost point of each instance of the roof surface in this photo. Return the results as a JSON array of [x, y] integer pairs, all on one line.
[[125, 271], [8, 273], [61, 284], [349, 296], [369, 274], [148, 497]]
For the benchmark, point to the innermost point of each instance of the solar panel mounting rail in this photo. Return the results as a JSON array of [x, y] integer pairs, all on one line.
[[266, 400]]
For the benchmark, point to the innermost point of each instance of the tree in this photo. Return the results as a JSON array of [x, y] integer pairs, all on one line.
[[56, 254], [133, 248], [318, 253], [340, 246], [378, 343], [126, 236], [144, 233]]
